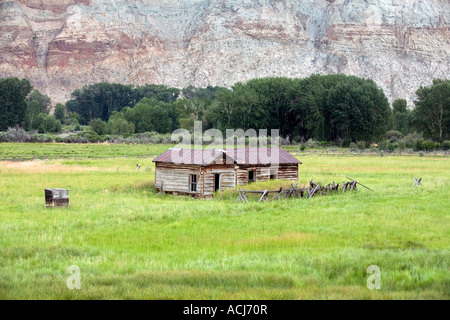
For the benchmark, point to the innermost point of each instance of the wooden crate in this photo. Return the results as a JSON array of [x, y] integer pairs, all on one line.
[[56, 198]]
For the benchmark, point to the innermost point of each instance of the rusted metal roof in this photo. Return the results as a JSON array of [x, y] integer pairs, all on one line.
[[242, 156]]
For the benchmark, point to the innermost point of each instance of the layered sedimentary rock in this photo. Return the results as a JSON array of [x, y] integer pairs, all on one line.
[[62, 45]]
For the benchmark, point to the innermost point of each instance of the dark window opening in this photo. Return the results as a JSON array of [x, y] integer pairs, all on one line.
[[217, 182], [193, 182], [273, 175], [251, 176]]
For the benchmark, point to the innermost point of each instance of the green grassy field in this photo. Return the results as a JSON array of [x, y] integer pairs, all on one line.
[[79, 150], [131, 243]]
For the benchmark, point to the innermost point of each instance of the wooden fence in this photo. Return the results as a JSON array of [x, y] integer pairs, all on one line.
[[294, 192]]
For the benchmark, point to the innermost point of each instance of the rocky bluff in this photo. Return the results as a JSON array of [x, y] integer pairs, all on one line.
[[61, 45]]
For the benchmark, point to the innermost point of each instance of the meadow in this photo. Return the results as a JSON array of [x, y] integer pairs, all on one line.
[[132, 243]]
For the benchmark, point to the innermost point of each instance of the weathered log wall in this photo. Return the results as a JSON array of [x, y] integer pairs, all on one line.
[[288, 172], [175, 178], [227, 177], [283, 172]]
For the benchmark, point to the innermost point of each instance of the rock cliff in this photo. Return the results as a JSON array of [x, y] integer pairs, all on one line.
[[62, 45]]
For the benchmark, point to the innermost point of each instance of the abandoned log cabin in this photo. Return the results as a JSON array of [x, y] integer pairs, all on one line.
[[201, 173]]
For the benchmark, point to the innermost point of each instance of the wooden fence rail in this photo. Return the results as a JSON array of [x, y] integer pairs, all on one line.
[[294, 192]]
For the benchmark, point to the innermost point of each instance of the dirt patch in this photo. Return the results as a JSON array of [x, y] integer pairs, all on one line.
[[42, 166]]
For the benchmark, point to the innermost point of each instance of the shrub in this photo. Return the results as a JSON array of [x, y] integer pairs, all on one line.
[[311, 143], [145, 137], [120, 126], [17, 134], [60, 111], [445, 145], [88, 136], [392, 146], [394, 136], [411, 140], [72, 118], [47, 123], [345, 143], [352, 146], [99, 126], [401, 145], [418, 145], [428, 145], [41, 138], [285, 141], [361, 145], [382, 145], [75, 139]]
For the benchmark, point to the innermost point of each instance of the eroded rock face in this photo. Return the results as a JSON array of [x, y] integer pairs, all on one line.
[[62, 45]]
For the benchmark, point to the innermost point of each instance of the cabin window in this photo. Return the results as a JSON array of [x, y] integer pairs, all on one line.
[[252, 176], [193, 182]]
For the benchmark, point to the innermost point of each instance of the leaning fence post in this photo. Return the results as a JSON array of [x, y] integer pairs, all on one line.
[[263, 195], [417, 182]]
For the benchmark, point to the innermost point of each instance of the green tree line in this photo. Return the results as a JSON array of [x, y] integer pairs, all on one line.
[[335, 108]]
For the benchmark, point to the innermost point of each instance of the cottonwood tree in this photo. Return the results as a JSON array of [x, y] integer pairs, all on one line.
[[432, 112], [60, 112], [31, 114], [13, 93], [401, 116], [42, 99]]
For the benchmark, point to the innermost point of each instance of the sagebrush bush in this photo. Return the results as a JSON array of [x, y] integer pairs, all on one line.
[[411, 140], [311, 143], [17, 134], [41, 138]]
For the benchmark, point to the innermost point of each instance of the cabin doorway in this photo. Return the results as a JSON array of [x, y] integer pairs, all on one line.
[[216, 182], [251, 176]]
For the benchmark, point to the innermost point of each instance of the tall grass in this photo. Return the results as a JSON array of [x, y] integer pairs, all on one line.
[[131, 242]]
